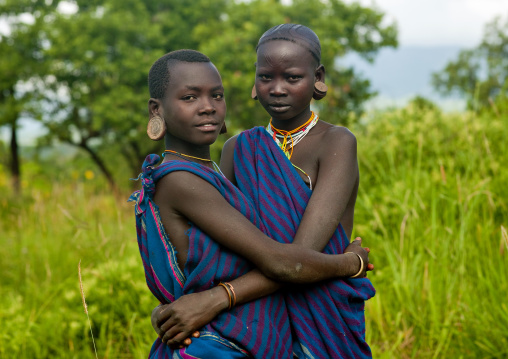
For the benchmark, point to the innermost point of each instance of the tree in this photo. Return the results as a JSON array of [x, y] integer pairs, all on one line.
[[21, 64], [95, 93], [479, 74], [341, 27], [100, 58]]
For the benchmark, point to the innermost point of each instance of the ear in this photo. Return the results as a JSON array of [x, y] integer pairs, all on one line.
[[155, 108], [319, 74]]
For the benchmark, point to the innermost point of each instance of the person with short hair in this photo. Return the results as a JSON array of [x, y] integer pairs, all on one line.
[[197, 232]]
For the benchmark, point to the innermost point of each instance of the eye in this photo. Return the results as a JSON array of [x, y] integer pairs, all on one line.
[[218, 96], [264, 77], [294, 77], [188, 97]]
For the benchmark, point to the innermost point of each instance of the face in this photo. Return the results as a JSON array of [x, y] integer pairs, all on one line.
[[193, 106], [285, 77]]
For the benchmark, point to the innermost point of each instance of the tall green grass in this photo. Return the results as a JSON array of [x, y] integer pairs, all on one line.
[[433, 199], [44, 237]]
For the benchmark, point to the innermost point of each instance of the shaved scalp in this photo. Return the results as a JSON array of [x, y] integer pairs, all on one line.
[[158, 77], [299, 34]]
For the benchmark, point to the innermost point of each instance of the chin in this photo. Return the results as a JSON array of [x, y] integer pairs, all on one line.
[[208, 142], [282, 116]]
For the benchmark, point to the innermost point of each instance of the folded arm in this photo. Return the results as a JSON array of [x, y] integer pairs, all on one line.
[[338, 177], [196, 200]]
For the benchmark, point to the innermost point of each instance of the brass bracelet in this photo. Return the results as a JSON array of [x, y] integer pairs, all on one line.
[[232, 292], [361, 266], [228, 292]]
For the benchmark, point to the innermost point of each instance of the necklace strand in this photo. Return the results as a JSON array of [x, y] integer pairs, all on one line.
[[183, 155], [287, 140], [281, 139]]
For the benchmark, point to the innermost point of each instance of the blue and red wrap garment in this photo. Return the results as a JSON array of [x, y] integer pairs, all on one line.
[[327, 319], [258, 329]]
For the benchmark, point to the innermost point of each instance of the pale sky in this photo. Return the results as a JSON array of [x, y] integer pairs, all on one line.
[[440, 22]]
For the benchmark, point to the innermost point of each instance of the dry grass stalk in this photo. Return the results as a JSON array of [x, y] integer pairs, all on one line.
[[504, 236], [85, 306]]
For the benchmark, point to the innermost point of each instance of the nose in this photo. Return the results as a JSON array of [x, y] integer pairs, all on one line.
[[207, 107], [278, 89]]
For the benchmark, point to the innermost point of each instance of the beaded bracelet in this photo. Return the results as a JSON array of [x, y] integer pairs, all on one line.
[[361, 266]]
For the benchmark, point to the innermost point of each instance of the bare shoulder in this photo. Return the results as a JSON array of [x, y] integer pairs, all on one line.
[[337, 138], [229, 146], [180, 186], [227, 159]]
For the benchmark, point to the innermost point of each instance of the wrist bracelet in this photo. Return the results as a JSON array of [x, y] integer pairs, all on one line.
[[361, 266], [231, 293], [233, 303], [228, 292]]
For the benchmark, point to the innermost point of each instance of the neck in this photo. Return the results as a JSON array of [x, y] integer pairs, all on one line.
[[292, 123], [200, 151], [183, 156], [196, 157]]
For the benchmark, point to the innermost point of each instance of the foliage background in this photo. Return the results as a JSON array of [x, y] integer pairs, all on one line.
[[432, 202]]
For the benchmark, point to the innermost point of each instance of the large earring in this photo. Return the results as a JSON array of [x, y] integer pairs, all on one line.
[[156, 128], [223, 129], [320, 90], [253, 93]]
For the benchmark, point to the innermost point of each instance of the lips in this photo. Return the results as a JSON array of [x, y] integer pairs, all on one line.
[[208, 126], [279, 107]]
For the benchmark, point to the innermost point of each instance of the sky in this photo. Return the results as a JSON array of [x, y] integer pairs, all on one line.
[[440, 22], [431, 33]]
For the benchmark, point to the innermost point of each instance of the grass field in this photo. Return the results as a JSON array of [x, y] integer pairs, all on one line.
[[433, 207]]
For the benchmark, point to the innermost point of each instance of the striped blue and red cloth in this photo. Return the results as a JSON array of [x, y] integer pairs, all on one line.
[[327, 319], [317, 321], [258, 329]]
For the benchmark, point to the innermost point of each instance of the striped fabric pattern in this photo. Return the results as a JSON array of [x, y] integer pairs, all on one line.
[[327, 319], [259, 328]]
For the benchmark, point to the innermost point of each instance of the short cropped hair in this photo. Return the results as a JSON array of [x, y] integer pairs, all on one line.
[[158, 76], [296, 33]]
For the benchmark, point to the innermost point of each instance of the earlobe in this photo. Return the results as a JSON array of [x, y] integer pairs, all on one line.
[[320, 87], [156, 128], [320, 90]]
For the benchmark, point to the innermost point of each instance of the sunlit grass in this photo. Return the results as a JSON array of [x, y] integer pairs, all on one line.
[[44, 237], [432, 202], [432, 206]]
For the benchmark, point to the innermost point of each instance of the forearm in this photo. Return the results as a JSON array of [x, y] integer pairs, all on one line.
[[253, 285], [297, 264]]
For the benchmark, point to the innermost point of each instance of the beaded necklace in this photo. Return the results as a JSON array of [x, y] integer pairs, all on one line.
[[287, 140], [183, 155], [281, 138]]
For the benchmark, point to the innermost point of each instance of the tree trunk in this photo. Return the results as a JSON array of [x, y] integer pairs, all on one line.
[[15, 163], [102, 166]]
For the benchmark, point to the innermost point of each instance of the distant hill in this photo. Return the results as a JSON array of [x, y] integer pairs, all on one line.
[[399, 74]]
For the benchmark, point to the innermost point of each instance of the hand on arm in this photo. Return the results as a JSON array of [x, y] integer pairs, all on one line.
[[286, 262], [199, 202], [338, 176]]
